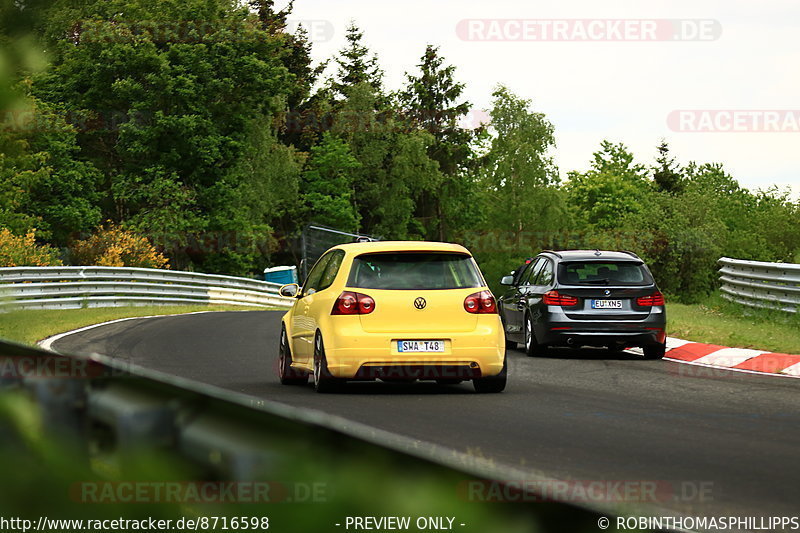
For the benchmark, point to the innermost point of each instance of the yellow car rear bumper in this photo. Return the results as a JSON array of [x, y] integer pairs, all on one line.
[[352, 353]]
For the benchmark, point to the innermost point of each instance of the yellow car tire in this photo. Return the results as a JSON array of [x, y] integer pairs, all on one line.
[[287, 374], [324, 382], [492, 384]]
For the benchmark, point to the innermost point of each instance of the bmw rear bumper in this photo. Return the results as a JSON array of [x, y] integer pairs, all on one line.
[[563, 331], [582, 337]]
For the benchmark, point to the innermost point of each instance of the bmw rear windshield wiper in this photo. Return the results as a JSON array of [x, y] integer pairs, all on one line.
[[604, 281]]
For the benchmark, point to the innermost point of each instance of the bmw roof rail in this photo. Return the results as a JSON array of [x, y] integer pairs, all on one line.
[[552, 252], [631, 254]]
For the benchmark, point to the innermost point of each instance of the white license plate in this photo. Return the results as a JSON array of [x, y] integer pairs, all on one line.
[[420, 346], [606, 304]]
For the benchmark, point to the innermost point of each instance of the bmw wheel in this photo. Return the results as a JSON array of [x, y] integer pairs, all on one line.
[[655, 351], [532, 347]]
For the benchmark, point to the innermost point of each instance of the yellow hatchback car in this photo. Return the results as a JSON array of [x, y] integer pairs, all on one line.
[[394, 311]]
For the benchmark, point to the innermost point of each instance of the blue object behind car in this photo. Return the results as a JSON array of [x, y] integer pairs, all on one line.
[[281, 274]]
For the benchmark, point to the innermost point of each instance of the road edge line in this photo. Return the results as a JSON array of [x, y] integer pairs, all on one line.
[[47, 342]]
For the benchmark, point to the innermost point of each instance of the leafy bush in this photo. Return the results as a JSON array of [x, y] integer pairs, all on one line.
[[42, 182], [18, 250], [115, 247]]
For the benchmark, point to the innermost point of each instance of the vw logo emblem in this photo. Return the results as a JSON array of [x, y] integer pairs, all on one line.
[[608, 292], [420, 303]]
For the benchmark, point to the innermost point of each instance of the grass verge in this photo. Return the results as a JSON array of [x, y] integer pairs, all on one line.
[[29, 327], [718, 321]]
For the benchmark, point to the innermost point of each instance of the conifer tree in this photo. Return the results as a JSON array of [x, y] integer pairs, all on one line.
[[356, 65]]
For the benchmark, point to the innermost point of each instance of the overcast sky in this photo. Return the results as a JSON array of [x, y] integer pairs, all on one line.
[[617, 90]]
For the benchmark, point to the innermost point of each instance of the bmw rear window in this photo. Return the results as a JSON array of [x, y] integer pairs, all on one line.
[[414, 271], [603, 273]]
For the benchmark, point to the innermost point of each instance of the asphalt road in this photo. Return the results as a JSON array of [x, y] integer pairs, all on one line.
[[581, 415]]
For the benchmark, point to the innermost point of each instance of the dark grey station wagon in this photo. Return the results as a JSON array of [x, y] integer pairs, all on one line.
[[584, 298]]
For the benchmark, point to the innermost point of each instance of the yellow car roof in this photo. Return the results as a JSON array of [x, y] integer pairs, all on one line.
[[401, 246]]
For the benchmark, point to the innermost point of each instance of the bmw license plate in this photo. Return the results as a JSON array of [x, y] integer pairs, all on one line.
[[420, 346], [606, 304]]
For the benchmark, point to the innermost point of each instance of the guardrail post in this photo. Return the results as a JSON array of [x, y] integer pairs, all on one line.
[[51, 380], [63, 405], [232, 452], [138, 420]]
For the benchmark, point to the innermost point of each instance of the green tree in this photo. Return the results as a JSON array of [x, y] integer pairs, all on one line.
[[612, 188], [327, 185], [777, 218], [757, 225], [666, 174], [432, 102], [259, 193], [296, 56], [519, 177], [170, 103], [681, 238], [393, 163], [356, 65], [42, 183], [683, 234], [42, 186], [273, 20], [411, 170]]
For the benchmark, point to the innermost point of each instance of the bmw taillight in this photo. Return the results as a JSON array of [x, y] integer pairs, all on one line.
[[481, 303], [556, 298], [653, 300], [353, 303]]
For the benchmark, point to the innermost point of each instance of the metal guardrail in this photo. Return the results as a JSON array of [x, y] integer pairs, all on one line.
[[77, 287], [111, 409], [231, 435], [759, 284]]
